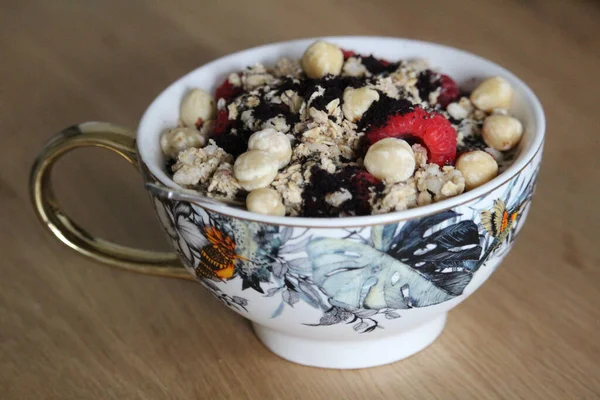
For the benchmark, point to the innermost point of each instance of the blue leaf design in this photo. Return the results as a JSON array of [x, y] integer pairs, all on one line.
[[412, 231], [356, 276], [382, 236], [447, 257]]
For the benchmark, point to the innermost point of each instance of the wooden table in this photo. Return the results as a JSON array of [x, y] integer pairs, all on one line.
[[72, 329]]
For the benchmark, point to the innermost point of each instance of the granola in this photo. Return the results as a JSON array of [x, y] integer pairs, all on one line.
[[331, 106]]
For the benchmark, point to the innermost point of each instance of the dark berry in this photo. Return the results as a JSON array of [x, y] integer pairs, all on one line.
[[223, 123], [448, 91], [227, 91]]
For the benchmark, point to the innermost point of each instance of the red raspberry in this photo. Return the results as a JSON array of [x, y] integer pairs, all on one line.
[[348, 53], [433, 130], [448, 91], [222, 123], [227, 91]]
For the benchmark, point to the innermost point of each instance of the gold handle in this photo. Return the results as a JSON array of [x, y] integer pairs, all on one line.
[[122, 142]]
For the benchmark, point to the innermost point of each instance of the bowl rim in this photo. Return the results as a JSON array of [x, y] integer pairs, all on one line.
[[529, 153]]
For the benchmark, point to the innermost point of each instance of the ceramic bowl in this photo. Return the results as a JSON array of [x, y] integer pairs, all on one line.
[[358, 291]]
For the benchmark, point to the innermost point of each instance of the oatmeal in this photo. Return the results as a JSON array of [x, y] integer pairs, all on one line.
[[339, 134]]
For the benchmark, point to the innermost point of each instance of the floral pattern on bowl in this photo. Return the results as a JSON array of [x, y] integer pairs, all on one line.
[[366, 274]]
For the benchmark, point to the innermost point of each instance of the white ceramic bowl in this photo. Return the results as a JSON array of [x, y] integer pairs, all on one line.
[[358, 291]]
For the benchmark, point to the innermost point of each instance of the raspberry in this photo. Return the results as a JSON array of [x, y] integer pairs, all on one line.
[[227, 91], [432, 129], [348, 53], [448, 92], [222, 123], [429, 81]]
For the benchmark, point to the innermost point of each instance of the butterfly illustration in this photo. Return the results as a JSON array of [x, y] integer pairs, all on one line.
[[218, 256], [499, 222]]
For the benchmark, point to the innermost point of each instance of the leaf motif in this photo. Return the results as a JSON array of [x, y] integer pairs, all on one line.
[[455, 247], [382, 236], [356, 276], [413, 230], [309, 294], [251, 282], [239, 300], [328, 319], [342, 269], [336, 303], [300, 266], [365, 313], [277, 311], [360, 326], [297, 247], [392, 315], [272, 291], [290, 297], [277, 269], [285, 296], [455, 242], [285, 234]]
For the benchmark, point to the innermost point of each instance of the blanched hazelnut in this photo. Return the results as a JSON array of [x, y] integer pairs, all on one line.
[[477, 167], [273, 142], [322, 58], [357, 102], [391, 160], [502, 132], [492, 93], [176, 140], [255, 169], [197, 104], [265, 201]]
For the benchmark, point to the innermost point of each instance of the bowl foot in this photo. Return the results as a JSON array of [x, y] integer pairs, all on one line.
[[347, 354]]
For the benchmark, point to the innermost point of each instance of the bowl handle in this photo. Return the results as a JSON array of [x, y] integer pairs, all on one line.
[[122, 142]]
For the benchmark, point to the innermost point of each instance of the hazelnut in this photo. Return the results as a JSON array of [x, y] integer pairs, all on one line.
[[197, 104], [501, 132], [173, 141], [492, 93], [273, 142], [357, 102], [391, 160], [265, 201], [322, 58], [255, 169], [477, 167]]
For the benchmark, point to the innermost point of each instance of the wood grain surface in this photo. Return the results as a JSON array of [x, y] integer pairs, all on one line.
[[73, 329]]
